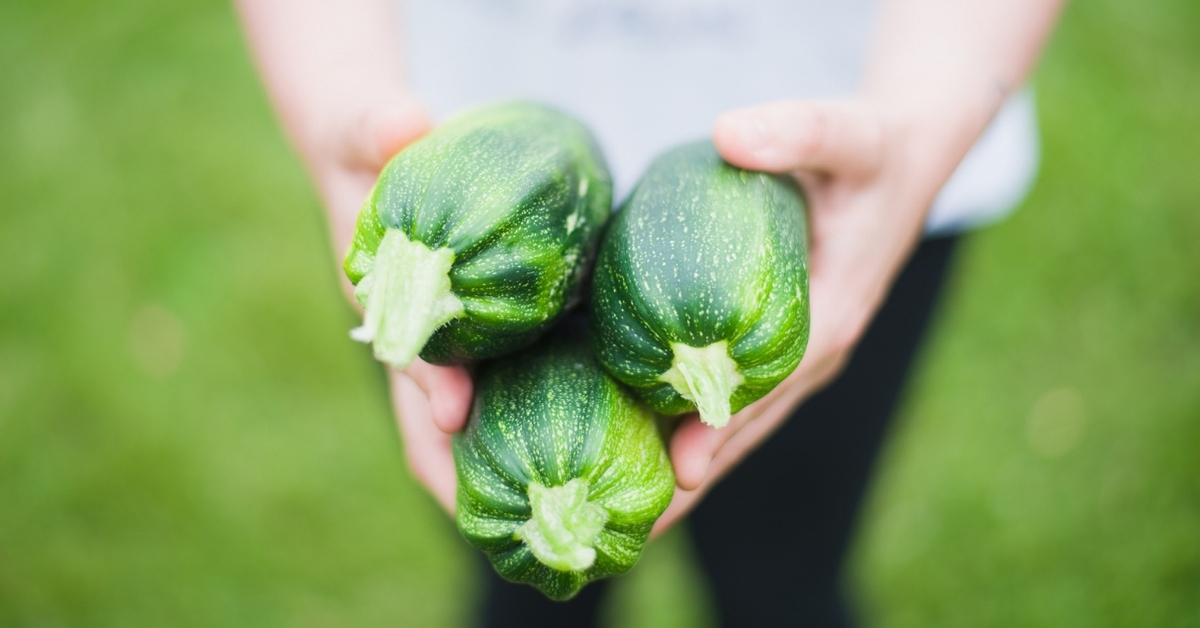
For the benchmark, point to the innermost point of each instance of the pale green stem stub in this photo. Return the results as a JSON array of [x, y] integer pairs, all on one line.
[[706, 377], [564, 526], [406, 296]]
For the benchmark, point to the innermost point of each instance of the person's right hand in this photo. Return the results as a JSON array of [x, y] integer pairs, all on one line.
[[431, 401]]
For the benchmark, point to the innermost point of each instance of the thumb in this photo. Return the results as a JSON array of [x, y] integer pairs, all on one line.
[[693, 446], [828, 136], [376, 135], [449, 390]]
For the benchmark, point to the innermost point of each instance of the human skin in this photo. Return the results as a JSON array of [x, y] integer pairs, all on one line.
[[870, 165]]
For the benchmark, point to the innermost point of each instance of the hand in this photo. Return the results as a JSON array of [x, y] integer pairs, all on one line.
[[869, 171], [431, 401], [869, 183]]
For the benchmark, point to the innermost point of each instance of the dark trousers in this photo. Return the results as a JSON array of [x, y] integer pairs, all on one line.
[[772, 535]]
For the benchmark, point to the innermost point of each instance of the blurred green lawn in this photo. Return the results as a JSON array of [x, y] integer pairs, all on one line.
[[188, 437]]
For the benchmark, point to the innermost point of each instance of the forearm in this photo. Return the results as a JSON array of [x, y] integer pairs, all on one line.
[[324, 60], [870, 166], [942, 68], [334, 72]]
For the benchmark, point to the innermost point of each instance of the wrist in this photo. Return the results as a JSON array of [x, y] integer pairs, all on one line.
[[927, 138]]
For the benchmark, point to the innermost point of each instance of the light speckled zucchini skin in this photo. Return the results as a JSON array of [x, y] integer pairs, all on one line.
[[703, 252], [519, 192], [550, 415]]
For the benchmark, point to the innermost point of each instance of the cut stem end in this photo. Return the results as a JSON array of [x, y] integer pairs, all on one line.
[[564, 526], [407, 296], [706, 377]]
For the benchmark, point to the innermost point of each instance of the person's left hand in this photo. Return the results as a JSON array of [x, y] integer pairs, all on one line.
[[869, 175]]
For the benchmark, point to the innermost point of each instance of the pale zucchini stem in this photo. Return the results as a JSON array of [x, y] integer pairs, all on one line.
[[406, 296], [705, 376], [564, 525]]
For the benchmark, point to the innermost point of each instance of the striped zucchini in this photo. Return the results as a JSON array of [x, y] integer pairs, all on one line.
[[477, 235], [700, 296], [561, 472]]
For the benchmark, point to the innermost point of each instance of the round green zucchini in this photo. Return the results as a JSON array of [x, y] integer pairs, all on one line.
[[700, 294], [561, 472], [477, 236]]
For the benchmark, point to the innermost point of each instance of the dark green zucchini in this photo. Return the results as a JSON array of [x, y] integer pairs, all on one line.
[[477, 235], [561, 472], [700, 295]]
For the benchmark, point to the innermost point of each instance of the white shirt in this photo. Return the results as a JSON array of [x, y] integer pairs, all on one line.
[[647, 75]]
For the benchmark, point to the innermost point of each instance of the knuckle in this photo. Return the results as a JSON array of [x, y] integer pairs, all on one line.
[[815, 136], [848, 336], [827, 377], [835, 368]]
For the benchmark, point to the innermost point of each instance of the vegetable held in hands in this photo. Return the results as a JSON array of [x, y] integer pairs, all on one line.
[[700, 295], [476, 236], [561, 473]]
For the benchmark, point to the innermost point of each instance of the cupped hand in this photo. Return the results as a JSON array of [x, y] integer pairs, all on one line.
[[431, 401], [869, 180]]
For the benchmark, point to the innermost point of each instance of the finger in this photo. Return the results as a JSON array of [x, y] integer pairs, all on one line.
[[693, 446], [828, 136], [701, 454], [379, 133], [769, 416], [448, 389], [426, 447], [682, 502], [361, 149]]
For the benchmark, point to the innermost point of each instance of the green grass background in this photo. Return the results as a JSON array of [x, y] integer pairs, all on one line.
[[188, 438]]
